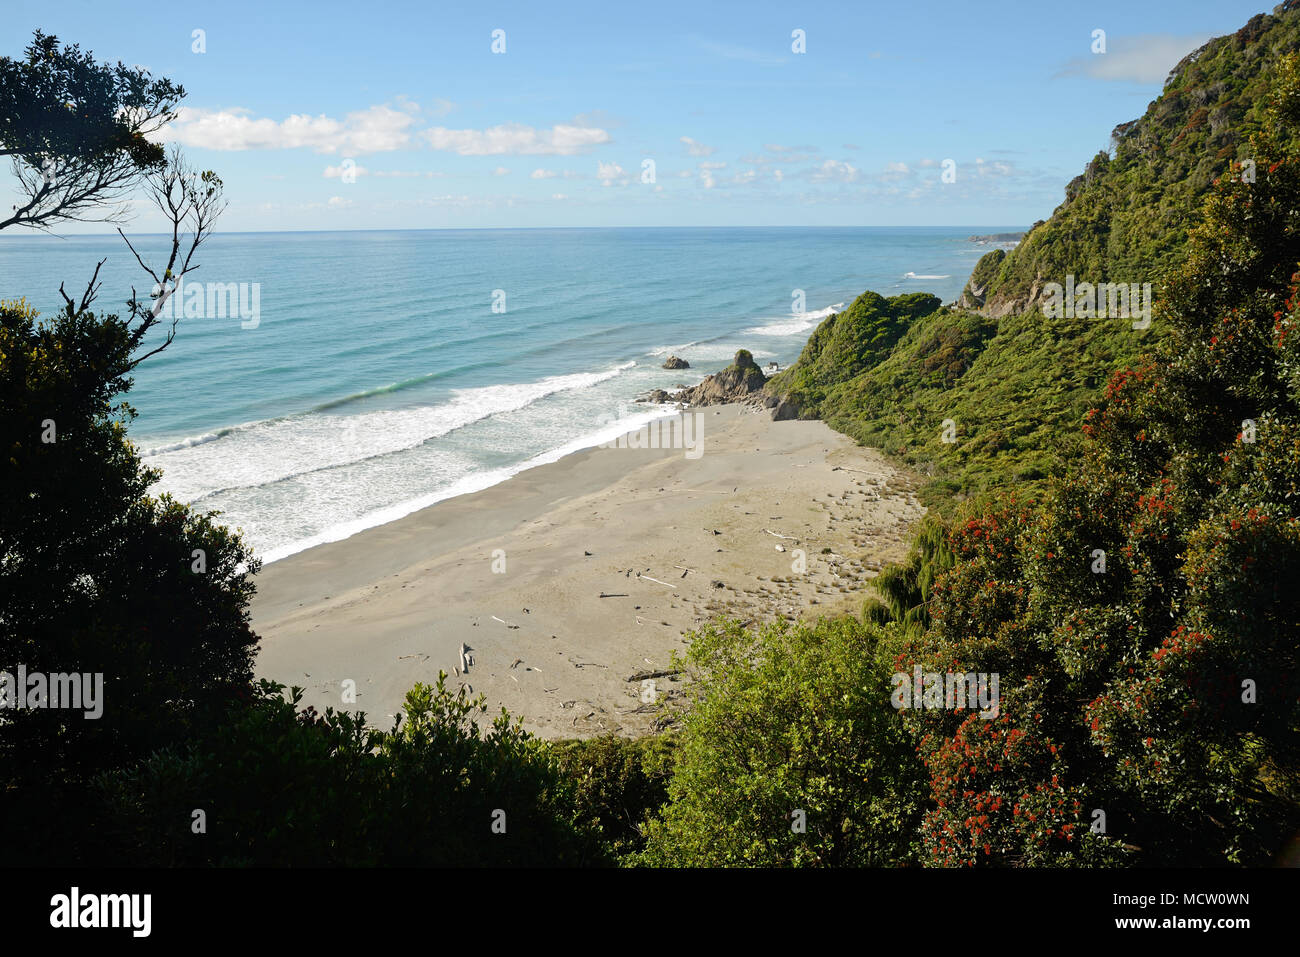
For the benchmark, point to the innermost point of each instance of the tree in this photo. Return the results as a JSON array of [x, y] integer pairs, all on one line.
[[282, 787], [1145, 622], [96, 575], [77, 131], [790, 754]]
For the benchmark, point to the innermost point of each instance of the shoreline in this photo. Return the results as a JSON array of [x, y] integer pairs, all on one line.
[[516, 572]]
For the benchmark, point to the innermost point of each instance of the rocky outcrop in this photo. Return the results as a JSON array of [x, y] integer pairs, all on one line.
[[740, 382], [784, 410], [672, 362]]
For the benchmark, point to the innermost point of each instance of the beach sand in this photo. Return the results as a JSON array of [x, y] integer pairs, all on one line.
[[517, 573]]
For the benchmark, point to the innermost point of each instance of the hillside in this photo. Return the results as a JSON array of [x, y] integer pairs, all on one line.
[[1125, 218], [989, 393]]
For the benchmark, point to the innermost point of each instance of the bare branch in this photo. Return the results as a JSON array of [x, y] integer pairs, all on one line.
[[191, 201]]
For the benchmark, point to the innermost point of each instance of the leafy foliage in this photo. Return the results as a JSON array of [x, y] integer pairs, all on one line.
[[848, 342], [96, 575], [1126, 217], [286, 787], [619, 783], [77, 130], [788, 719], [1144, 619]]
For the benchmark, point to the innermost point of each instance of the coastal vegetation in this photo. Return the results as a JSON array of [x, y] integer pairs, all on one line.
[[1114, 534]]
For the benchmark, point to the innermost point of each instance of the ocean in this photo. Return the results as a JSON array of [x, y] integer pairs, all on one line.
[[376, 372]]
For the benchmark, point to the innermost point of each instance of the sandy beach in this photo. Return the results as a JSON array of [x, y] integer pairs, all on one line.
[[568, 578]]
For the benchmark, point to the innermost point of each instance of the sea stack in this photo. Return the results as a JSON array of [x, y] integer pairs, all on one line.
[[742, 381]]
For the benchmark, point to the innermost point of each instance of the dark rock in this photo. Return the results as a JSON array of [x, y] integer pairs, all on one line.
[[672, 362], [742, 381], [785, 410]]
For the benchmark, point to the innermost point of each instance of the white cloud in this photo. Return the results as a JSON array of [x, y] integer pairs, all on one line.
[[500, 171], [896, 168], [996, 168], [517, 139], [338, 202], [335, 172], [372, 130], [559, 196], [834, 171], [706, 174], [375, 129], [544, 174], [1141, 58], [611, 173], [696, 148], [776, 153]]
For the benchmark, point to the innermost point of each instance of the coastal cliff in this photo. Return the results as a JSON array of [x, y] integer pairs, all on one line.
[[1125, 217], [979, 394]]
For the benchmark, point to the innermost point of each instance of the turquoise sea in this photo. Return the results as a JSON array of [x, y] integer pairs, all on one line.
[[377, 377]]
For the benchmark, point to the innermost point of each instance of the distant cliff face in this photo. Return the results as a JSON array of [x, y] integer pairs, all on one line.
[[1125, 218]]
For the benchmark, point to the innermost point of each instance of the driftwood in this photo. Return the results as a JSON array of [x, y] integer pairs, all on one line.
[[643, 675], [613, 594], [640, 710], [655, 580], [793, 538]]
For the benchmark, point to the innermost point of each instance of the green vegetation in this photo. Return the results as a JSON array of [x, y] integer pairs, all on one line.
[[619, 783], [96, 575], [988, 396], [1127, 216], [78, 131], [975, 403], [790, 754], [1134, 593], [848, 343], [1145, 619], [280, 787]]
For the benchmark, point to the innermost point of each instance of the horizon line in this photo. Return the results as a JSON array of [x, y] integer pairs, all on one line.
[[417, 229]]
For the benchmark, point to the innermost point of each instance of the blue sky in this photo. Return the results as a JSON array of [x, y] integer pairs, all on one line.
[[441, 131]]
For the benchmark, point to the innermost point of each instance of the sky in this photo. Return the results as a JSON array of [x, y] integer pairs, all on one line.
[[387, 115]]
